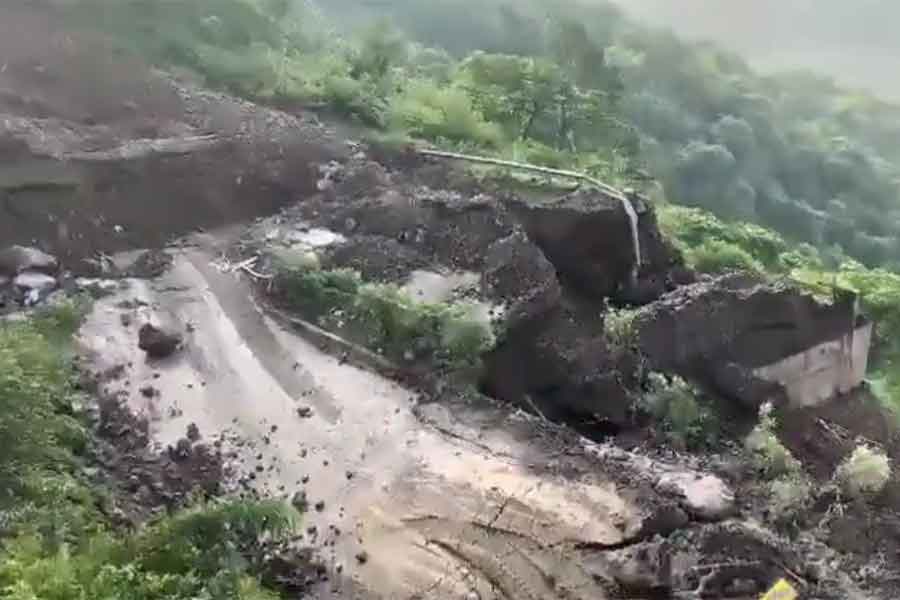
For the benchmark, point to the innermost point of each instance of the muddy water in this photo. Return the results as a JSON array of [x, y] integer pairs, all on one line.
[[442, 516]]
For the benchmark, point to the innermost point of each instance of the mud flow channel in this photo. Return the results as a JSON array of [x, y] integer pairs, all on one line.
[[405, 510]]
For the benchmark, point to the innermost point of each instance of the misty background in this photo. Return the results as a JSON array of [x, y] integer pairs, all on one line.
[[854, 41]]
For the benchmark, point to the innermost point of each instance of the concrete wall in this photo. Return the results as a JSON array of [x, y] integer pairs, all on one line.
[[821, 372]]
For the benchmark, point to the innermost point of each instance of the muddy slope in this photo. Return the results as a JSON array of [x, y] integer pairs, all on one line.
[[99, 153]]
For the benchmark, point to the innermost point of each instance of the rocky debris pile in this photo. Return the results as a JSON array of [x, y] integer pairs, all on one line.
[[545, 268]]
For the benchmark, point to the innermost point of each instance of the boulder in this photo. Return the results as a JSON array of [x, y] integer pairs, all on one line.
[[719, 330], [158, 343], [706, 497], [18, 259], [587, 237], [518, 276], [34, 286], [562, 365]]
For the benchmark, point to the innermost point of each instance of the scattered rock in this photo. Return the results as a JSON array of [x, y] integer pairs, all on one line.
[[18, 259], [156, 342], [193, 432], [148, 391]]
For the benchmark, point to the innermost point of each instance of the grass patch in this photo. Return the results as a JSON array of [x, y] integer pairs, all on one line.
[[385, 318]]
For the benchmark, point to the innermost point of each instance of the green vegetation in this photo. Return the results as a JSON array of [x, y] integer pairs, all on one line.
[[56, 541], [680, 408], [619, 327], [768, 453], [866, 471], [385, 318]]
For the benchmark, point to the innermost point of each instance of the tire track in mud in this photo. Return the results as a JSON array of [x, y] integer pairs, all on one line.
[[517, 567]]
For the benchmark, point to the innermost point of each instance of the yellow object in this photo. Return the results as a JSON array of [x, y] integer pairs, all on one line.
[[782, 590]]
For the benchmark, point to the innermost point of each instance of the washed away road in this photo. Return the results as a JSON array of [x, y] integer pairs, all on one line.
[[438, 502]]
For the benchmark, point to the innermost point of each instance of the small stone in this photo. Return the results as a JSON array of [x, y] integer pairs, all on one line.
[[320, 506], [182, 450], [193, 432], [362, 557], [349, 475], [148, 391], [304, 412], [300, 502]]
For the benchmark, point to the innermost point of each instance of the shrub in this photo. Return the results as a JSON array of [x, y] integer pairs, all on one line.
[[866, 471], [676, 404], [619, 326], [318, 293], [397, 324], [431, 112], [788, 496], [386, 317], [769, 455]]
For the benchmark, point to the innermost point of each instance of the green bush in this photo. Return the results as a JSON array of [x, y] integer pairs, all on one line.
[[386, 317], [866, 471], [434, 112], [717, 257], [620, 328], [769, 455], [318, 293], [677, 405], [789, 495]]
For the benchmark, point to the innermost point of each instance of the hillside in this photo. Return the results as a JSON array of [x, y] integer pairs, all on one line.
[[440, 300]]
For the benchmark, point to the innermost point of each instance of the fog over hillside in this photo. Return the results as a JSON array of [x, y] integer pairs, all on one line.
[[856, 42]]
